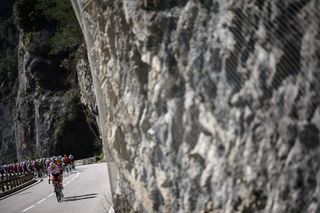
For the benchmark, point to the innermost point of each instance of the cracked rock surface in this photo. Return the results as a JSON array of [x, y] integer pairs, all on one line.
[[208, 106]]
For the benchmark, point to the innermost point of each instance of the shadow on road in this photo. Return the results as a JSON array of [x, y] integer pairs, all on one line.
[[79, 197]]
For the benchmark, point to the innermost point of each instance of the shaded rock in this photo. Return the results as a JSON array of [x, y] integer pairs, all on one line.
[[309, 136]]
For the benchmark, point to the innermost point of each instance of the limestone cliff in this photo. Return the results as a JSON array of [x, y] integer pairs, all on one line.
[[43, 112], [49, 112], [8, 151], [8, 85], [208, 105]]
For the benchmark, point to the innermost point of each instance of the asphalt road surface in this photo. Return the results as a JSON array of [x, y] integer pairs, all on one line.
[[85, 190]]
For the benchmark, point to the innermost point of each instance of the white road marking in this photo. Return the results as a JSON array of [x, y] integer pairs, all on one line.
[[28, 208], [72, 179], [41, 200], [50, 195]]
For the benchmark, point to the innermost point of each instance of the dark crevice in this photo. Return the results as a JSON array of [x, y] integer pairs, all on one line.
[[177, 130], [142, 72], [288, 32], [309, 136], [233, 78], [289, 63]]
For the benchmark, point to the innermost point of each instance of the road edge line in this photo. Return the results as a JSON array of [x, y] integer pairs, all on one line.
[[26, 209]]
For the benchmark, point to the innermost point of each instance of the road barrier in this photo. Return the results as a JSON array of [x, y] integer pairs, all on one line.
[[12, 182], [85, 161]]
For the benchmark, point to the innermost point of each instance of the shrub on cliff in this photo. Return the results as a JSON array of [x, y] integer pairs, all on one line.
[[50, 31], [29, 17], [56, 16]]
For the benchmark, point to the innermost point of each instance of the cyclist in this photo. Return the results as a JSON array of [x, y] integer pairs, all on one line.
[[66, 163], [72, 161], [55, 174]]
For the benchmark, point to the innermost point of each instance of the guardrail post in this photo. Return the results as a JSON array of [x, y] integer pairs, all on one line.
[[13, 180]]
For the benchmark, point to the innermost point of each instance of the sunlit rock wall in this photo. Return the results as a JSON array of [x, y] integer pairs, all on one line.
[[88, 97], [37, 110], [208, 105]]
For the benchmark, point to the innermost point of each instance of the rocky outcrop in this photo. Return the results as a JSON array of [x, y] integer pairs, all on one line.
[[8, 85], [8, 149], [38, 110], [88, 97], [43, 113], [208, 106], [48, 103]]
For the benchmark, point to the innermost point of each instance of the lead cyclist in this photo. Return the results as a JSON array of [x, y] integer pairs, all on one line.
[[55, 174]]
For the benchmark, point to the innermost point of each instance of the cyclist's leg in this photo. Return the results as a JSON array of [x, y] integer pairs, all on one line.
[[53, 180], [60, 182]]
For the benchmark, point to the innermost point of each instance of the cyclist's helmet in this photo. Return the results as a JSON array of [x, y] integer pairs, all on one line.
[[52, 165]]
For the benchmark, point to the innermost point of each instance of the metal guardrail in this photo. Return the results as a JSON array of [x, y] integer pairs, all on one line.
[[85, 161], [11, 181]]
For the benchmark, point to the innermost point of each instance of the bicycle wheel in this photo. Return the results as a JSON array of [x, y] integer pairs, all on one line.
[[57, 191]]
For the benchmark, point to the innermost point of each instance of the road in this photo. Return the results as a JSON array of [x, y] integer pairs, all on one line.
[[85, 190]]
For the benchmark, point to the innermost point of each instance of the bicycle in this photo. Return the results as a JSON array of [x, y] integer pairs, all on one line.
[[67, 168], [57, 191]]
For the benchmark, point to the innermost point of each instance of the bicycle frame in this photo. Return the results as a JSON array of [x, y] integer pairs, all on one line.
[[57, 190]]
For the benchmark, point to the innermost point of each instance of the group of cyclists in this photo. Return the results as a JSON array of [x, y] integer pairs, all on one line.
[[53, 167], [37, 166]]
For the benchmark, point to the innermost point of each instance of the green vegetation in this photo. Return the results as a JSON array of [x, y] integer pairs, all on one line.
[[51, 34], [99, 157], [50, 31], [55, 16], [27, 17]]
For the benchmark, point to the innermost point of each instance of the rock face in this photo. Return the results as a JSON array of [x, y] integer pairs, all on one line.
[[49, 112], [8, 149], [43, 113], [88, 97], [208, 106], [38, 110], [8, 86]]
